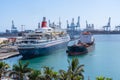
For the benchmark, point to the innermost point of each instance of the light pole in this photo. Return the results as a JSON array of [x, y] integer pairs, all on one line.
[[22, 29]]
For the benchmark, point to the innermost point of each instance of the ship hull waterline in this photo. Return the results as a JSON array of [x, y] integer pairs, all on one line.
[[79, 50], [35, 52]]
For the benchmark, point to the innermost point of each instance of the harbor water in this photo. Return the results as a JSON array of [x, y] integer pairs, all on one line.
[[103, 60]]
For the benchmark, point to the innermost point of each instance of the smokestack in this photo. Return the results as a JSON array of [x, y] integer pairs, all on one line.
[[44, 23]]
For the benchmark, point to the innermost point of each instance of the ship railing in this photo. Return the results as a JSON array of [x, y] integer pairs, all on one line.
[[42, 42]]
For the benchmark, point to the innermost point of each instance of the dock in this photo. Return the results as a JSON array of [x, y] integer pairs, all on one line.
[[8, 51]]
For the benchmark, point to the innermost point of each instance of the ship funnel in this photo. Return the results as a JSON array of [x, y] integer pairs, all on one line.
[[44, 23]]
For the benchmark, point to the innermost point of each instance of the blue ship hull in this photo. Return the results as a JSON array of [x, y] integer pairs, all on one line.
[[35, 52]]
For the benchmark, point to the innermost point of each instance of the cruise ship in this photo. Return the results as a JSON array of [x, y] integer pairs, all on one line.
[[43, 40]]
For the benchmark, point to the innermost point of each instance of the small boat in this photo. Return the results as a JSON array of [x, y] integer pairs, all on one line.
[[83, 45]]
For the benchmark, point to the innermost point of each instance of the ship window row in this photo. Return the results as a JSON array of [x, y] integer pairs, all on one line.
[[29, 42]]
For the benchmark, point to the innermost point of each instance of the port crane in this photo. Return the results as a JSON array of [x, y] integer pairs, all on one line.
[[108, 26], [117, 28]]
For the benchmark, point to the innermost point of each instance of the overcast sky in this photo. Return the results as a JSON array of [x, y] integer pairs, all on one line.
[[30, 12]]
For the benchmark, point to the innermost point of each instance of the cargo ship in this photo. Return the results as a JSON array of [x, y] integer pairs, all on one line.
[[83, 45], [43, 41]]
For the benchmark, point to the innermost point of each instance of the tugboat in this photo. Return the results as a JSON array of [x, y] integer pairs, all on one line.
[[43, 41], [81, 45]]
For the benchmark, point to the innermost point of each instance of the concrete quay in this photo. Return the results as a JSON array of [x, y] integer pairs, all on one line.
[[8, 51]]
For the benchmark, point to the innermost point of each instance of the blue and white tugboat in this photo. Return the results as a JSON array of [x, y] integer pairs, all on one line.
[[43, 40]]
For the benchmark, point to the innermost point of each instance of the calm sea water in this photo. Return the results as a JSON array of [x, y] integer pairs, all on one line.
[[103, 60]]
